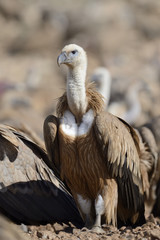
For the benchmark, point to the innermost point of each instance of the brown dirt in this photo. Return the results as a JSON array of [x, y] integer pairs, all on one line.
[[150, 231]]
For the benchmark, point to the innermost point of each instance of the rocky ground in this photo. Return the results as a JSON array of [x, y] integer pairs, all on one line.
[[150, 231], [10, 231], [120, 35]]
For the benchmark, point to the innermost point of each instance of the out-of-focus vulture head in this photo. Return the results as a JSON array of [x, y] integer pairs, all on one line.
[[101, 77]]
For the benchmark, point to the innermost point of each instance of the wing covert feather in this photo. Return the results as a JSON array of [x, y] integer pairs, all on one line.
[[120, 153]]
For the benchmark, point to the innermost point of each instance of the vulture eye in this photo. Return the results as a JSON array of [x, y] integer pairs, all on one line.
[[74, 52]]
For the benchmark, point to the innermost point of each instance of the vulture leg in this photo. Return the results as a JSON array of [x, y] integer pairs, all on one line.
[[85, 207], [50, 129], [100, 209], [103, 205]]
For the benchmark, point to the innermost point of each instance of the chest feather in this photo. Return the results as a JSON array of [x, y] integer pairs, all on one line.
[[81, 162], [69, 126]]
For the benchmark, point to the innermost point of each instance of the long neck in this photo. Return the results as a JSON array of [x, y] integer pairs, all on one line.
[[105, 90], [76, 91], [134, 107]]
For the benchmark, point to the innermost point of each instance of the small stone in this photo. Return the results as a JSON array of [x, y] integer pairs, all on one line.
[[138, 229], [39, 234], [128, 229], [58, 227], [122, 228], [24, 228], [155, 234]]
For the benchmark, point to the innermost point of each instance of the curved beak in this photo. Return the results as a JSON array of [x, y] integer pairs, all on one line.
[[62, 58]]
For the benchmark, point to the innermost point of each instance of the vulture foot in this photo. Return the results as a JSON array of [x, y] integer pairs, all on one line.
[[97, 229]]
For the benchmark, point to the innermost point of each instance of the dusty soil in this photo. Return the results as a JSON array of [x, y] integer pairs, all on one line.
[[150, 230], [120, 35]]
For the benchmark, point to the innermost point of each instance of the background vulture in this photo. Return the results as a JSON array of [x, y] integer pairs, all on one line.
[[154, 126], [127, 106], [101, 77], [102, 159], [30, 192]]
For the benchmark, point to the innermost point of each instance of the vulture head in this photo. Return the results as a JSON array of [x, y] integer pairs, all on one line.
[[73, 56]]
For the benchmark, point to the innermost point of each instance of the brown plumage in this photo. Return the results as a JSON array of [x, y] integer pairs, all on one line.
[[149, 165], [98, 155], [30, 192], [95, 101], [154, 197]]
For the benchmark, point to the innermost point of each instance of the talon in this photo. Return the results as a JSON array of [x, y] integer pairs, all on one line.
[[84, 229], [97, 229]]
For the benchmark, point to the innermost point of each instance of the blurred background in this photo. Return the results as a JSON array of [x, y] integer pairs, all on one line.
[[122, 36]]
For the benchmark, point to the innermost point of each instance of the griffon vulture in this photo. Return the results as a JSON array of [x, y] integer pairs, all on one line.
[[150, 164], [30, 192], [129, 108], [154, 126], [97, 154]]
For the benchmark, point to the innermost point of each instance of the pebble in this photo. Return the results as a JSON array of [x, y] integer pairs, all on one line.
[[122, 228], [39, 234], [24, 228]]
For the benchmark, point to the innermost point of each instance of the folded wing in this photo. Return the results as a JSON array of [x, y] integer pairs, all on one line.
[[30, 192]]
